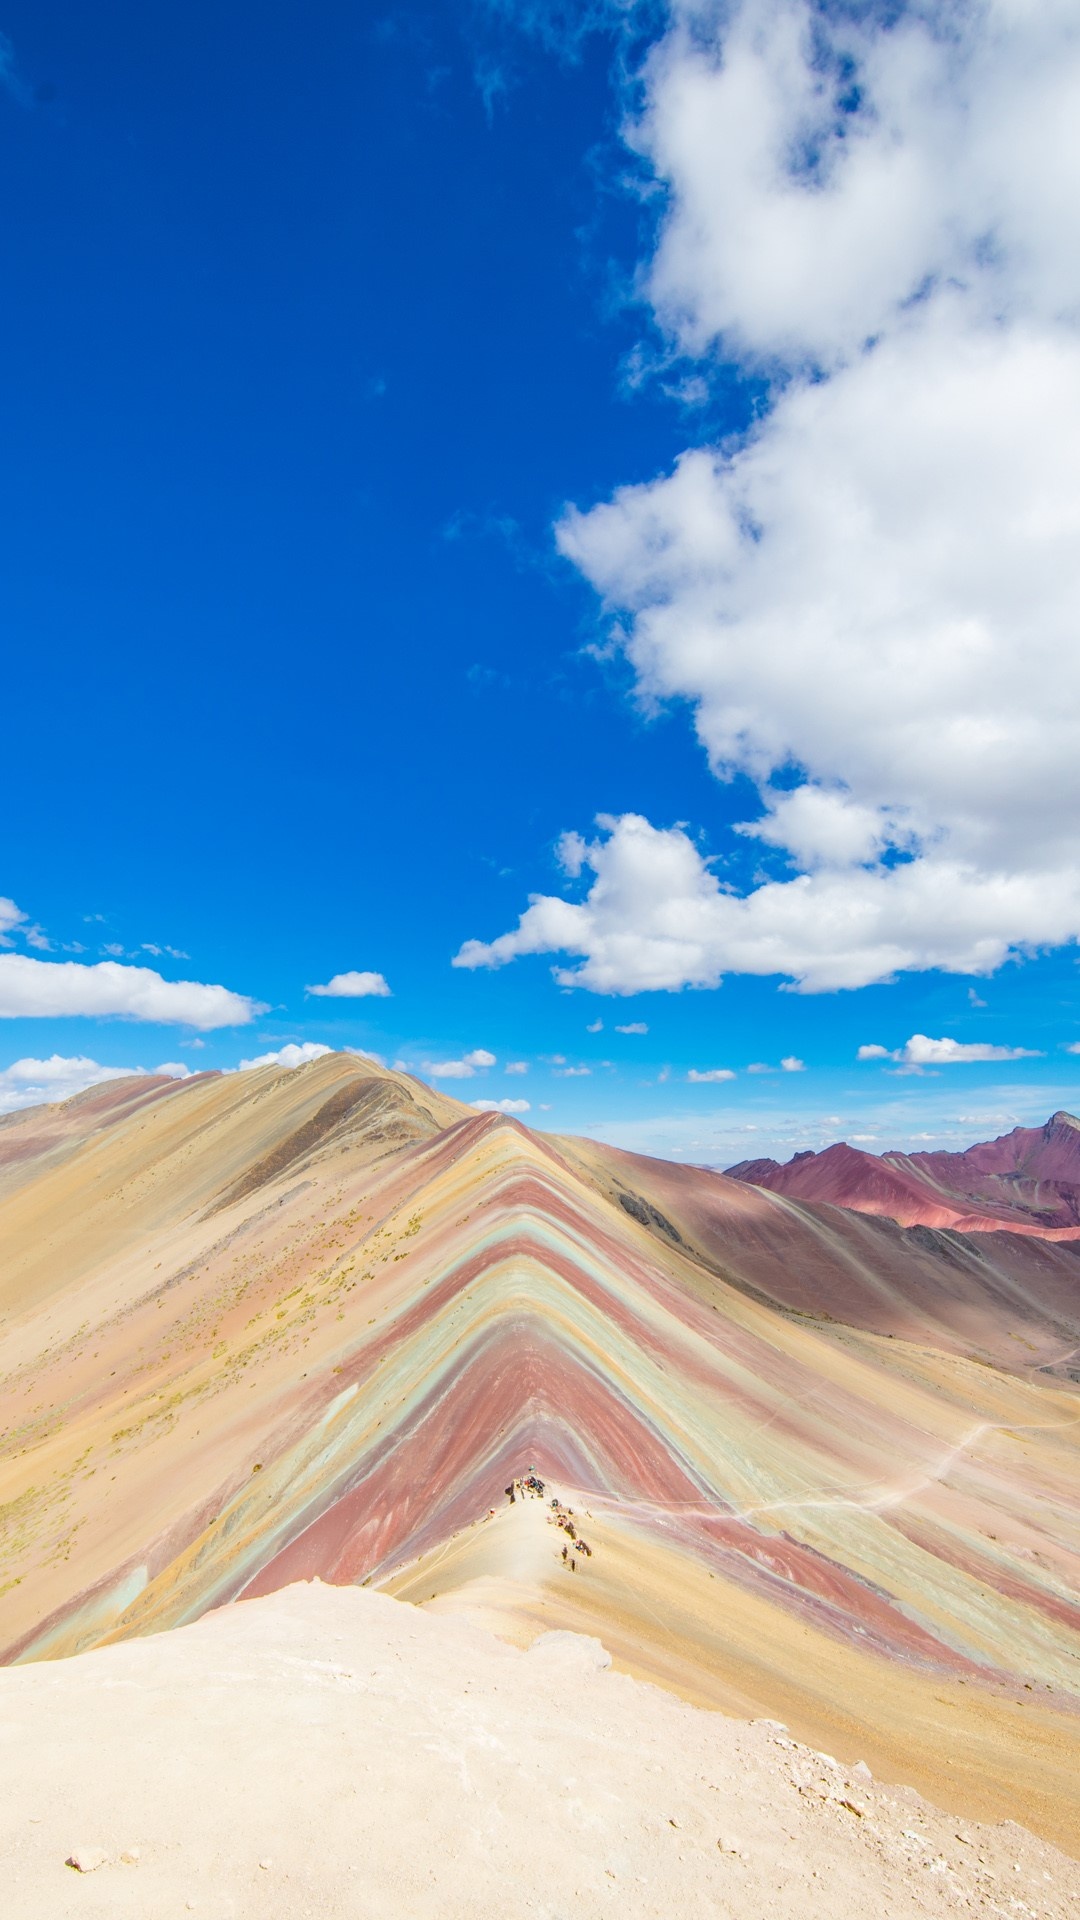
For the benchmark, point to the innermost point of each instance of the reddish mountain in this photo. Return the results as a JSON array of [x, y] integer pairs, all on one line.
[[1028, 1180]]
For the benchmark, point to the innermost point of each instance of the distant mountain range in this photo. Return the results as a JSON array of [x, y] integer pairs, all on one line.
[[1027, 1180]]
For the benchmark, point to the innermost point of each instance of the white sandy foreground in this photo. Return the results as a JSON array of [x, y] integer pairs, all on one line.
[[329, 1751]]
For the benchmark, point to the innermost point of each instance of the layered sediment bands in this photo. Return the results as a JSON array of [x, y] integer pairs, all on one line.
[[804, 1488], [1007, 1297]]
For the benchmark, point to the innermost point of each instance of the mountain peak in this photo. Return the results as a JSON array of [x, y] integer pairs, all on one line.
[[1026, 1181]]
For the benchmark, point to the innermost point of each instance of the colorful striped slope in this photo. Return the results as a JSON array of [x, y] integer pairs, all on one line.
[[266, 1326]]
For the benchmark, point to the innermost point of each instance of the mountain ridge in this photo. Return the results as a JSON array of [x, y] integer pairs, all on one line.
[[826, 1466], [1027, 1180]]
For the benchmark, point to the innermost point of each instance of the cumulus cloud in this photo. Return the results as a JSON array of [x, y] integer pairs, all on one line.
[[633, 1026], [824, 166], [922, 1051], [33, 1083], [701, 1076], [656, 917], [792, 1064], [293, 1054], [500, 1106], [352, 986], [463, 1069], [48, 989], [869, 600], [1073, 1046], [516, 1066]]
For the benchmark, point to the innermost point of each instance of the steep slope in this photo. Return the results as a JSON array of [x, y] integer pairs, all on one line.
[[1005, 1297], [1028, 1180], [329, 1752], [269, 1326]]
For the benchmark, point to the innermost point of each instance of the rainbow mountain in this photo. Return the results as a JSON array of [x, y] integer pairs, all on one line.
[[271, 1326]]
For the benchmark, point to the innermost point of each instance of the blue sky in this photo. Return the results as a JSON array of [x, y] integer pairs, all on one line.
[[418, 442]]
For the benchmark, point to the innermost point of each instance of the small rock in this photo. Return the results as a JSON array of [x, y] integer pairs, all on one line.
[[861, 1771], [130, 1856], [87, 1859], [728, 1843], [266, 1865], [854, 1806]]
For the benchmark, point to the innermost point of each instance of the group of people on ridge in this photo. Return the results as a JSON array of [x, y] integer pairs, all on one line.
[[529, 1485]]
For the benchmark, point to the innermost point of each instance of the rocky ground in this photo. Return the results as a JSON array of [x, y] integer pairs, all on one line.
[[333, 1752]]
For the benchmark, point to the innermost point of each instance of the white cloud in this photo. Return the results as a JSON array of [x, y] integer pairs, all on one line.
[[11, 917], [293, 1054], [792, 1064], [595, 1026], [922, 1051], [871, 600], [700, 1078], [824, 165], [634, 1026], [1072, 1046], [657, 918], [848, 594], [500, 1106], [463, 1069], [13, 920], [516, 1066], [32, 1083], [573, 1073], [49, 989], [352, 986]]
